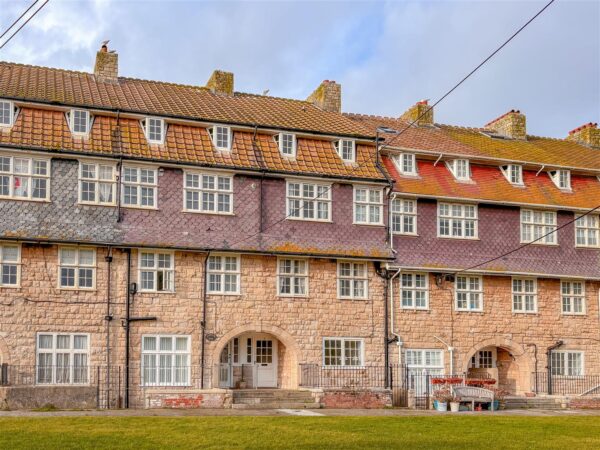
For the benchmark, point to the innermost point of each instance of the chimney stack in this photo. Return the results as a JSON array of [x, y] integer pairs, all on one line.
[[511, 125], [420, 113], [328, 96], [221, 82], [587, 134], [107, 64]]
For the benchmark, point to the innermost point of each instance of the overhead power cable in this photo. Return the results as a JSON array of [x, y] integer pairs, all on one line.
[[23, 24], [504, 44]]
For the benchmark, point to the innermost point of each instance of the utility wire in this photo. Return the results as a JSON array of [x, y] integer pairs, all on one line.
[[504, 44], [24, 23], [521, 247]]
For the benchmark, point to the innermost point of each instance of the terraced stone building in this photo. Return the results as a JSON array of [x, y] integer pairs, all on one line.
[[165, 245]]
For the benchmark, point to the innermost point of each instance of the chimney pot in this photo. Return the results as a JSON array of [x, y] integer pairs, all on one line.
[[328, 96], [512, 125], [587, 134], [221, 82], [107, 65], [420, 113]]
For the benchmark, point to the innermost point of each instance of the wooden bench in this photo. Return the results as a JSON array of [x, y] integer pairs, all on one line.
[[474, 394]]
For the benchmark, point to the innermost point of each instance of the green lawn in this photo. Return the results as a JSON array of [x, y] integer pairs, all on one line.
[[300, 432]]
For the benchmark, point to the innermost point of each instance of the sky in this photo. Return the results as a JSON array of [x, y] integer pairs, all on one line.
[[386, 54]]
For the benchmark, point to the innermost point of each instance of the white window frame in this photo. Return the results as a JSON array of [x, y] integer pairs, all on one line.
[[139, 186], [30, 176], [513, 174], [469, 293], [462, 219], [321, 196], [354, 278], [522, 294], [12, 113], [281, 140], [146, 123], [71, 120], [339, 148], [343, 341], [222, 273], [475, 361], [406, 164], [567, 372], [214, 192], [587, 230], [168, 272], [413, 289], [568, 298], [424, 365], [538, 228], [368, 204], [215, 130], [54, 367], [77, 266], [456, 169], [173, 367], [97, 181], [4, 263], [292, 276], [561, 179], [404, 216]]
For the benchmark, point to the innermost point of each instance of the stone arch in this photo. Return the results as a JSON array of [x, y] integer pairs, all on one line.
[[519, 353], [289, 342]]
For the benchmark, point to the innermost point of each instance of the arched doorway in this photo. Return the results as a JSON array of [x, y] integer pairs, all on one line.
[[505, 361], [255, 357]]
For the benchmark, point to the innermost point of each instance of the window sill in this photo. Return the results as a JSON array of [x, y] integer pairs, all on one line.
[[299, 219], [155, 292], [408, 308], [143, 208], [395, 233], [531, 313], [541, 244], [20, 199], [363, 224], [458, 238], [76, 289], [109, 205], [208, 213], [583, 314], [224, 294], [352, 299], [9, 286], [587, 247], [480, 311], [291, 296]]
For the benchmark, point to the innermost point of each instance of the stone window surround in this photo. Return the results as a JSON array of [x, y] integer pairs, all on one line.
[[71, 351], [292, 277], [222, 273], [77, 266], [343, 341], [414, 289], [155, 269], [16, 263], [470, 293], [572, 296], [523, 293], [172, 353], [353, 280]]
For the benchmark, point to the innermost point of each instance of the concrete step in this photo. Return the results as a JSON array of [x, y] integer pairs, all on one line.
[[261, 401], [533, 403], [277, 405], [275, 394]]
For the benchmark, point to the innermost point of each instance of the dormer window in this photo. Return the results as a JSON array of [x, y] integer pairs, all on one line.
[[286, 143], [346, 149], [562, 179], [460, 169], [154, 129], [406, 163], [514, 174], [79, 121], [221, 137], [7, 113]]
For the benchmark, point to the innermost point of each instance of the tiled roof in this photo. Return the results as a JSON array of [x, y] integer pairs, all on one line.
[[71, 88], [488, 183], [472, 142], [47, 129]]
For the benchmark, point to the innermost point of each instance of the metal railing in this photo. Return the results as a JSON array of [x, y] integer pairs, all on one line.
[[565, 385], [363, 377]]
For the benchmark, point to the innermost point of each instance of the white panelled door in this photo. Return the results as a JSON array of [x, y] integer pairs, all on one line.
[[265, 360]]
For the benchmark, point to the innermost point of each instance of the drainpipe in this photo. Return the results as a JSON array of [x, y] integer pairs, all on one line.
[[203, 323], [108, 317], [451, 351], [399, 341], [549, 363], [127, 325]]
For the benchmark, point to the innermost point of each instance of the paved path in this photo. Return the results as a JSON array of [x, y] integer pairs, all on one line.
[[284, 412]]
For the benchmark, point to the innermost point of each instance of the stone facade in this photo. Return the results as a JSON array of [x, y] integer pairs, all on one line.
[[521, 339]]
